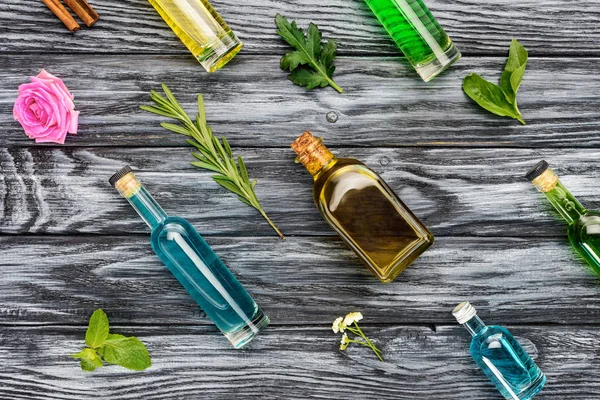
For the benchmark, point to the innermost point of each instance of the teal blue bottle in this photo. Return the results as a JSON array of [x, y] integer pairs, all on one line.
[[195, 265], [501, 357]]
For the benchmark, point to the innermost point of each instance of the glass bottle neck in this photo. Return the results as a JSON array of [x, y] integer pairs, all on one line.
[[475, 325], [137, 195], [565, 203], [145, 205], [324, 168]]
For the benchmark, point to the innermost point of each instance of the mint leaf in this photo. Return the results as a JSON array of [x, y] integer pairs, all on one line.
[[128, 352], [500, 100], [90, 360], [308, 54], [97, 331]]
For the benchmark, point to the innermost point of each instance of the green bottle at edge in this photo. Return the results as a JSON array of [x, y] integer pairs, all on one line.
[[417, 33], [584, 225]]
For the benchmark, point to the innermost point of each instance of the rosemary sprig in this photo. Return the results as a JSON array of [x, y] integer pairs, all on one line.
[[211, 153]]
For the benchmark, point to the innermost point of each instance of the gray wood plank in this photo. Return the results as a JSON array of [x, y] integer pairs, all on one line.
[[253, 103], [299, 281], [460, 192], [477, 26], [295, 363]]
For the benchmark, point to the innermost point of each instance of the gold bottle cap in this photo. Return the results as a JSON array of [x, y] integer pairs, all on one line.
[[311, 152]]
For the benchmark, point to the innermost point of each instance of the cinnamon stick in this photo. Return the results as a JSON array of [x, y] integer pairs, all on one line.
[[62, 13], [84, 11]]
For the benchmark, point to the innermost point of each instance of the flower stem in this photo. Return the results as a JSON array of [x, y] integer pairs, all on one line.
[[369, 343]]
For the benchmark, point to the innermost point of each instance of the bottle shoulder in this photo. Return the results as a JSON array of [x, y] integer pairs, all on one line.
[[171, 222], [489, 334], [336, 166], [588, 223], [490, 330], [338, 172], [173, 225], [175, 230]]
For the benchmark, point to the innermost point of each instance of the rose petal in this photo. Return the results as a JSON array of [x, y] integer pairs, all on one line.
[[74, 122], [56, 135]]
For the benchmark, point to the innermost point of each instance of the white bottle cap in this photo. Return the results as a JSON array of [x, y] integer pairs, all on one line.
[[464, 312]]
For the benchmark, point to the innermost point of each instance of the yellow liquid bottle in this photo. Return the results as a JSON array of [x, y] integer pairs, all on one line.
[[363, 210], [201, 29]]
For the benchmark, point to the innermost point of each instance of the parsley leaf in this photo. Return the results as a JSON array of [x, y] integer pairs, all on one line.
[[500, 100], [308, 54]]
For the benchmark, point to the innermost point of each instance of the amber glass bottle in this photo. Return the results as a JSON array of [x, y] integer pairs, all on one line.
[[363, 210]]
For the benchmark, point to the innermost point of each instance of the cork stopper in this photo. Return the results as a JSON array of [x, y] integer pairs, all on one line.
[[543, 177], [125, 182], [311, 152]]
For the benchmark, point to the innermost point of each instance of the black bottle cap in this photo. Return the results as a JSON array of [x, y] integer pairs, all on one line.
[[121, 173], [537, 170]]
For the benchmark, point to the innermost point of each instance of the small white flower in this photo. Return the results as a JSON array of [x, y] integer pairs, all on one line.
[[338, 325], [352, 317], [345, 342]]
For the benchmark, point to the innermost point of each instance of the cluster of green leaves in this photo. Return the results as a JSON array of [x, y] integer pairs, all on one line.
[[500, 100], [311, 64], [128, 352], [211, 154]]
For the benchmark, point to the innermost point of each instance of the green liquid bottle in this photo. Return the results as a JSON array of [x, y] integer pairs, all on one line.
[[417, 33], [584, 225]]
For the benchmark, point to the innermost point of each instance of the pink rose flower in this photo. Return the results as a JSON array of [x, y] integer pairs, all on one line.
[[45, 109]]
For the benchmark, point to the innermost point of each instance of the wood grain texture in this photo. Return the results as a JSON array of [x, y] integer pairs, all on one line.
[[479, 192], [253, 104], [70, 244], [299, 281], [291, 363], [477, 26]]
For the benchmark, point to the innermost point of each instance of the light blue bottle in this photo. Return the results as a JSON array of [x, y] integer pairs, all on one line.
[[500, 356], [195, 265]]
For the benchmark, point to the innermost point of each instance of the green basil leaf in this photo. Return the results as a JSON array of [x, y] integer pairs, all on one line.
[[489, 96], [514, 71]]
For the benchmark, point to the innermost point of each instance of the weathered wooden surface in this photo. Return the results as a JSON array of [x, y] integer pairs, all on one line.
[[556, 27], [253, 104], [194, 362], [460, 192], [296, 282], [69, 244]]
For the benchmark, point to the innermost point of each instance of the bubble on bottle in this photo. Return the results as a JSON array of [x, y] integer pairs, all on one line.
[[332, 117]]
